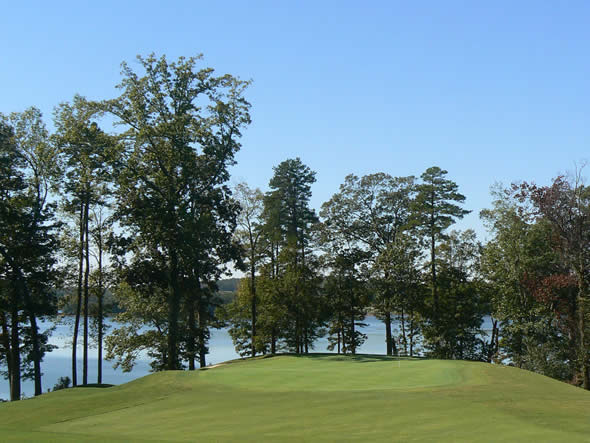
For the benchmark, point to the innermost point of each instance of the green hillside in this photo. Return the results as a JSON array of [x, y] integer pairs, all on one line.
[[313, 398]]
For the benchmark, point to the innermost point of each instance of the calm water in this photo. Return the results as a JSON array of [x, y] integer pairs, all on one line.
[[58, 363]]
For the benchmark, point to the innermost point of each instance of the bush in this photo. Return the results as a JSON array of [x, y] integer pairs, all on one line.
[[62, 383]]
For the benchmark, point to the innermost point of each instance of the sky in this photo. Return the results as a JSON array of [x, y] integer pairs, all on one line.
[[489, 91]]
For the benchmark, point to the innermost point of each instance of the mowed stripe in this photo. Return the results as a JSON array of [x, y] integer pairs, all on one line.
[[315, 398]]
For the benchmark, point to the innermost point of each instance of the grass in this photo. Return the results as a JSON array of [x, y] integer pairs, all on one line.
[[312, 398]]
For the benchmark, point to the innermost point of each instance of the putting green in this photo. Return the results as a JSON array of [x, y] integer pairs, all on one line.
[[328, 373], [313, 398]]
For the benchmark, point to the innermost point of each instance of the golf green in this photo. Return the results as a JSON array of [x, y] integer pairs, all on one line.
[[316, 397]]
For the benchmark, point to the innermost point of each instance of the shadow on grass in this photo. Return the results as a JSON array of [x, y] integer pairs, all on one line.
[[94, 385], [357, 358], [241, 360]]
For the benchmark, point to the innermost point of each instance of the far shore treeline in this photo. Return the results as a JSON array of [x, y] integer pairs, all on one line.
[[66, 304], [140, 214]]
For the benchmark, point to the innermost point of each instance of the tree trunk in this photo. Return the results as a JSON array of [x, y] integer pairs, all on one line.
[[277, 263], [388, 333], [78, 298], [273, 341], [30, 310], [100, 307], [411, 321], [434, 286], [403, 320], [352, 338], [253, 289], [15, 391], [173, 308], [585, 369], [192, 336], [297, 340], [86, 296], [519, 346], [583, 351], [497, 344], [202, 328], [36, 352], [493, 340], [6, 345], [411, 346]]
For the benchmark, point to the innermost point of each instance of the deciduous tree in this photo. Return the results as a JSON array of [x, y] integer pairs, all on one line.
[[182, 127], [86, 153], [249, 235], [27, 238], [370, 213]]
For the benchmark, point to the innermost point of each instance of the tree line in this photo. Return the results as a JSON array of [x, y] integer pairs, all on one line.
[[131, 195], [142, 209], [384, 245], [380, 244]]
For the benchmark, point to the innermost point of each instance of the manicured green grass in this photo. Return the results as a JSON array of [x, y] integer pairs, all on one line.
[[313, 398]]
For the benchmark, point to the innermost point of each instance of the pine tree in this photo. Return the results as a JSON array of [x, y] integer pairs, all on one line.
[[435, 209]]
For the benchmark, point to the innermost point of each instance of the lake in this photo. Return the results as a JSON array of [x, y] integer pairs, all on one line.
[[58, 363]]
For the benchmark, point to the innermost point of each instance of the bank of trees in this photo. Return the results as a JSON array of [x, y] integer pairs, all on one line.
[[28, 239], [173, 205], [537, 269], [380, 245], [384, 245], [142, 210]]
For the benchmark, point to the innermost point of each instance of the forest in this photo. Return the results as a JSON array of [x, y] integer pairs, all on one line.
[[131, 197]]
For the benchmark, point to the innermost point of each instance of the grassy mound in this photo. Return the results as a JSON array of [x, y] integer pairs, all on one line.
[[312, 398]]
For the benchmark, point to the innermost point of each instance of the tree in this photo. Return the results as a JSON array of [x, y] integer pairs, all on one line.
[[566, 207], [141, 295], [181, 134], [515, 265], [399, 288], [101, 229], [347, 294], [288, 229], [86, 152], [289, 199], [239, 315], [456, 333], [62, 383], [346, 263], [249, 235], [27, 239], [12, 182], [370, 213], [272, 309], [435, 209]]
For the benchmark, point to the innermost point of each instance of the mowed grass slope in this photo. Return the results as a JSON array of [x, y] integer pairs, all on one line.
[[312, 398]]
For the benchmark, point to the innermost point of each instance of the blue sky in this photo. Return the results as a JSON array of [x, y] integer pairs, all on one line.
[[490, 91]]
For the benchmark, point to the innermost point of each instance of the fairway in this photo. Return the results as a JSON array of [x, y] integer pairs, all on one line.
[[313, 398]]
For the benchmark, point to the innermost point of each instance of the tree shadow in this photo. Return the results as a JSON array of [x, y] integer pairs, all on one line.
[[94, 385], [356, 358]]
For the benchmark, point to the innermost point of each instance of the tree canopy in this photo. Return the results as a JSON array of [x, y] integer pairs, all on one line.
[[131, 197]]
